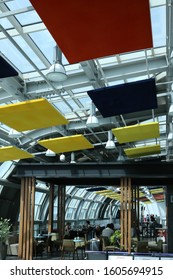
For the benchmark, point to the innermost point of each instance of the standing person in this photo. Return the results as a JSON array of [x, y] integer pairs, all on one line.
[[67, 230], [97, 231], [89, 230]]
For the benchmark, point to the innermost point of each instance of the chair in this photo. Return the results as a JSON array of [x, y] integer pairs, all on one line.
[[38, 248], [12, 244], [158, 247], [96, 255], [105, 243], [56, 241], [134, 242], [142, 246], [68, 246], [80, 246]]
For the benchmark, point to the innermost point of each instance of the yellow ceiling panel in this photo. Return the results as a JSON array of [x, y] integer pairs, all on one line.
[[31, 114], [104, 192], [13, 153], [141, 194], [158, 190], [136, 132], [142, 151], [66, 144]]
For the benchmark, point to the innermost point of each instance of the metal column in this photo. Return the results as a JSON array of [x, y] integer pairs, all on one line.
[[61, 210]]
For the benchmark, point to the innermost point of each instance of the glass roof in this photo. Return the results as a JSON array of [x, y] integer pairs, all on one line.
[[29, 47]]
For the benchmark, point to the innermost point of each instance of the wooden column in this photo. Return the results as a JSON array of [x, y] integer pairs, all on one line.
[[135, 211], [26, 229], [61, 211], [126, 205]]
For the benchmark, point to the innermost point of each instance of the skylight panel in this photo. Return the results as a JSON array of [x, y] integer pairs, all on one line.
[[44, 42], [138, 78], [28, 18], [62, 107], [157, 2], [21, 42], [5, 23], [159, 26], [119, 82], [84, 100], [126, 57], [38, 197], [16, 4], [80, 192], [14, 55], [108, 60], [161, 50], [7, 48], [79, 90], [5, 127], [69, 189], [23, 18]]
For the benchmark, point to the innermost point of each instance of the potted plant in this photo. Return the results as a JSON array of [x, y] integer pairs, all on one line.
[[115, 238], [4, 233]]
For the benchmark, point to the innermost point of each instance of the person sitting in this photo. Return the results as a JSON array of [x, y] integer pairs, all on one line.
[[108, 231]]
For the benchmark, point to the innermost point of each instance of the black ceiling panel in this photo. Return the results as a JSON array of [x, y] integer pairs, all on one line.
[[125, 98], [6, 70]]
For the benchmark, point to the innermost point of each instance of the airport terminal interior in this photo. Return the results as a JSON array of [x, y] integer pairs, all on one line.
[[86, 132]]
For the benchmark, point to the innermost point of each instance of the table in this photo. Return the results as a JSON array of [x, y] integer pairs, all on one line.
[[80, 245]]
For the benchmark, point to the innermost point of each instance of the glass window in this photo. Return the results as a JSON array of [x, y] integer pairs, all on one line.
[[159, 26]]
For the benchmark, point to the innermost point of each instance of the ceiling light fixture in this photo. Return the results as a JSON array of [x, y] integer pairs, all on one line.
[[56, 72], [170, 135], [62, 157], [92, 120], [120, 157], [72, 158], [50, 153], [110, 143]]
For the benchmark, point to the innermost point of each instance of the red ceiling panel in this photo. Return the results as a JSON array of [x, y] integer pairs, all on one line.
[[86, 29]]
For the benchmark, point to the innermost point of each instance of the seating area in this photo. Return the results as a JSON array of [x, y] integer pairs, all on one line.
[[76, 248], [156, 247], [12, 244], [68, 247], [105, 244]]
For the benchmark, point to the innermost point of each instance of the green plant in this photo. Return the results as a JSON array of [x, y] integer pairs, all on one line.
[[115, 238], [4, 229]]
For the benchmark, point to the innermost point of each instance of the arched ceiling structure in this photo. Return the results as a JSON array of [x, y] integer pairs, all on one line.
[[27, 49], [118, 61]]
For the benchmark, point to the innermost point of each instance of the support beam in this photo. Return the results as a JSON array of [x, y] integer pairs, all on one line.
[[146, 173], [51, 201]]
